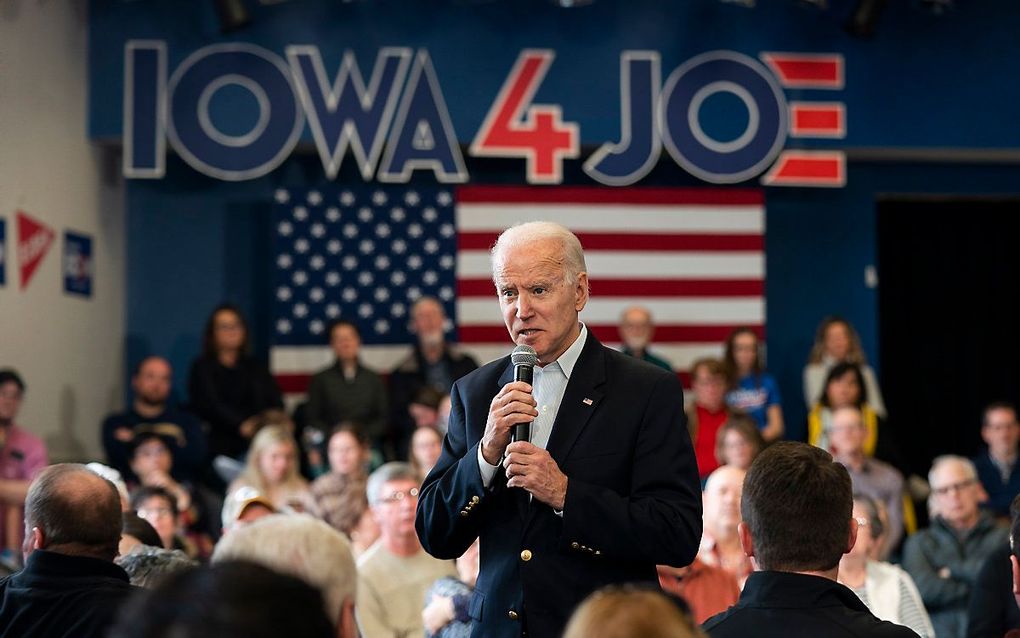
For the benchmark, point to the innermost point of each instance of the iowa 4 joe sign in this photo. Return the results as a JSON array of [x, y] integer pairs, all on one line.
[[396, 122]]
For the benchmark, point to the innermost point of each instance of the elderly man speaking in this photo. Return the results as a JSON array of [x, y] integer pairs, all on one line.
[[607, 486]]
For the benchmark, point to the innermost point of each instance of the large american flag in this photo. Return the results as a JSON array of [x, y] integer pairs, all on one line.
[[694, 257]]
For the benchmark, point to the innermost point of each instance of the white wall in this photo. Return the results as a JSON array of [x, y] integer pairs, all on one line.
[[68, 349]]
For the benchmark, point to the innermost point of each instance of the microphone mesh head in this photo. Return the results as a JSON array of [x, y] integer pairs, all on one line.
[[524, 355]]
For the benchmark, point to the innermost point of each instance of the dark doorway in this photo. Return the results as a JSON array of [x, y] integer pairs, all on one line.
[[949, 287]]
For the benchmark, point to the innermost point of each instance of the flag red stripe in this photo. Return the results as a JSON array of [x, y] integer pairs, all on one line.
[[597, 195], [642, 288], [636, 241], [663, 333]]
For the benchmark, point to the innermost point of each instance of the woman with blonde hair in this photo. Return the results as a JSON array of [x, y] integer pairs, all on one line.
[[631, 612], [272, 470]]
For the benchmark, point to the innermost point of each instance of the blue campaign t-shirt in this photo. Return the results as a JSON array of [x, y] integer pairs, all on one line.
[[753, 396]]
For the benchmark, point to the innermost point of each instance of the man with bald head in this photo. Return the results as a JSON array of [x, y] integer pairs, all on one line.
[[603, 489], [70, 585], [636, 332], [151, 412], [720, 544], [431, 363]]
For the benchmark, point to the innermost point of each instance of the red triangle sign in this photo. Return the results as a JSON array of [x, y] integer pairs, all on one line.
[[34, 241]]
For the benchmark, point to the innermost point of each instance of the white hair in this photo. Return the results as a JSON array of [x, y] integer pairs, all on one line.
[[301, 546], [949, 459], [519, 235]]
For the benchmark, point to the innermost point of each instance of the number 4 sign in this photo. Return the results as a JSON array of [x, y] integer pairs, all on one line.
[[514, 127]]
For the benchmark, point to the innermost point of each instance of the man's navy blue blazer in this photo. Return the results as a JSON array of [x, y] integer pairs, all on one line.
[[633, 495]]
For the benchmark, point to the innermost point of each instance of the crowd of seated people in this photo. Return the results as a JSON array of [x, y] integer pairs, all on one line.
[[229, 487]]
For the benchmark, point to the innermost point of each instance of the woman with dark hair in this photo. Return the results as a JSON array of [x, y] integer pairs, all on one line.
[[753, 391], [845, 387], [228, 388]]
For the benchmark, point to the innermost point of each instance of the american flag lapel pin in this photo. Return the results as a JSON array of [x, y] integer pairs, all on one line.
[[587, 401]]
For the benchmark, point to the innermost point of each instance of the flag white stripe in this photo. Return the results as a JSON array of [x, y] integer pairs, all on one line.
[[624, 218], [643, 265], [689, 310]]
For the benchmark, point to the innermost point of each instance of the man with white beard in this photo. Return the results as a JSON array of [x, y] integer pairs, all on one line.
[[636, 331]]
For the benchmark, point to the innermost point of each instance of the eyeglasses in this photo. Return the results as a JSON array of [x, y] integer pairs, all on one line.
[[959, 487], [861, 522], [394, 497], [155, 512]]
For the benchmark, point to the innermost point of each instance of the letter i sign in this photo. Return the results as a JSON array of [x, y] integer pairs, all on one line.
[[516, 128]]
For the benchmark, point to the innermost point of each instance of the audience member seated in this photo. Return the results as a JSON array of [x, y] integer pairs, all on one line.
[[707, 413], [997, 467], [994, 608], [136, 531], [944, 559], [152, 462], [870, 477], [753, 391], [448, 600], [147, 566], [70, 586], [348, 452], [426, 447], [797, 509], [720, 543], [630, 612], [245, 505], [431, 363], [887, 590], [395, 573], [227, 600], [272, 469], [836, 341], [306, 548], [227, 387], [159, 507], [151, 413], [738, 442], [707, 590], [424, 408], [347, 390], [22, 457], [844, 387], [636, 332]]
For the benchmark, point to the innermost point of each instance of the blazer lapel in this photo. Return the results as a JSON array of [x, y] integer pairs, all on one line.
[[583, 394]]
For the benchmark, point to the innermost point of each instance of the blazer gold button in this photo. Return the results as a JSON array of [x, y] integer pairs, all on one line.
[[574, 545], [475, 499], [526, 555], [512, 614], [598, 553], [463, 513]]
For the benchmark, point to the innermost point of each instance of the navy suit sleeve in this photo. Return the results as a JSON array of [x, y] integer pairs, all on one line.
[[447, 519], [660, 519]]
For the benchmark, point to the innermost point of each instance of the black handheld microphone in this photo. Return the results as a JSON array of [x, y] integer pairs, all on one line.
[[524, 359]]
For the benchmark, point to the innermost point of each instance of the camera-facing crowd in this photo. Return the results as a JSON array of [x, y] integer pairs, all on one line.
[[230, 515]]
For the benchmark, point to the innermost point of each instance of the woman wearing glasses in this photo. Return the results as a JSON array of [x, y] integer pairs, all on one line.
[[887, 590]]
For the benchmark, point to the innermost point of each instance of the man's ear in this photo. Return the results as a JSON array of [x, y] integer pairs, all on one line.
[[1016, 574], [347, 624], [746, 542], [34, 539], [852, 540]]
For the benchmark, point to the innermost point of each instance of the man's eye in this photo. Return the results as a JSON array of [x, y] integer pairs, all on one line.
[[538, 291], [509, 293]]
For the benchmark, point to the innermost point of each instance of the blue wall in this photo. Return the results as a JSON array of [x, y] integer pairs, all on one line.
[[923, 81]]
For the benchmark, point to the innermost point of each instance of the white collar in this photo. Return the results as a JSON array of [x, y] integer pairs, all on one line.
[[568, 359]]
